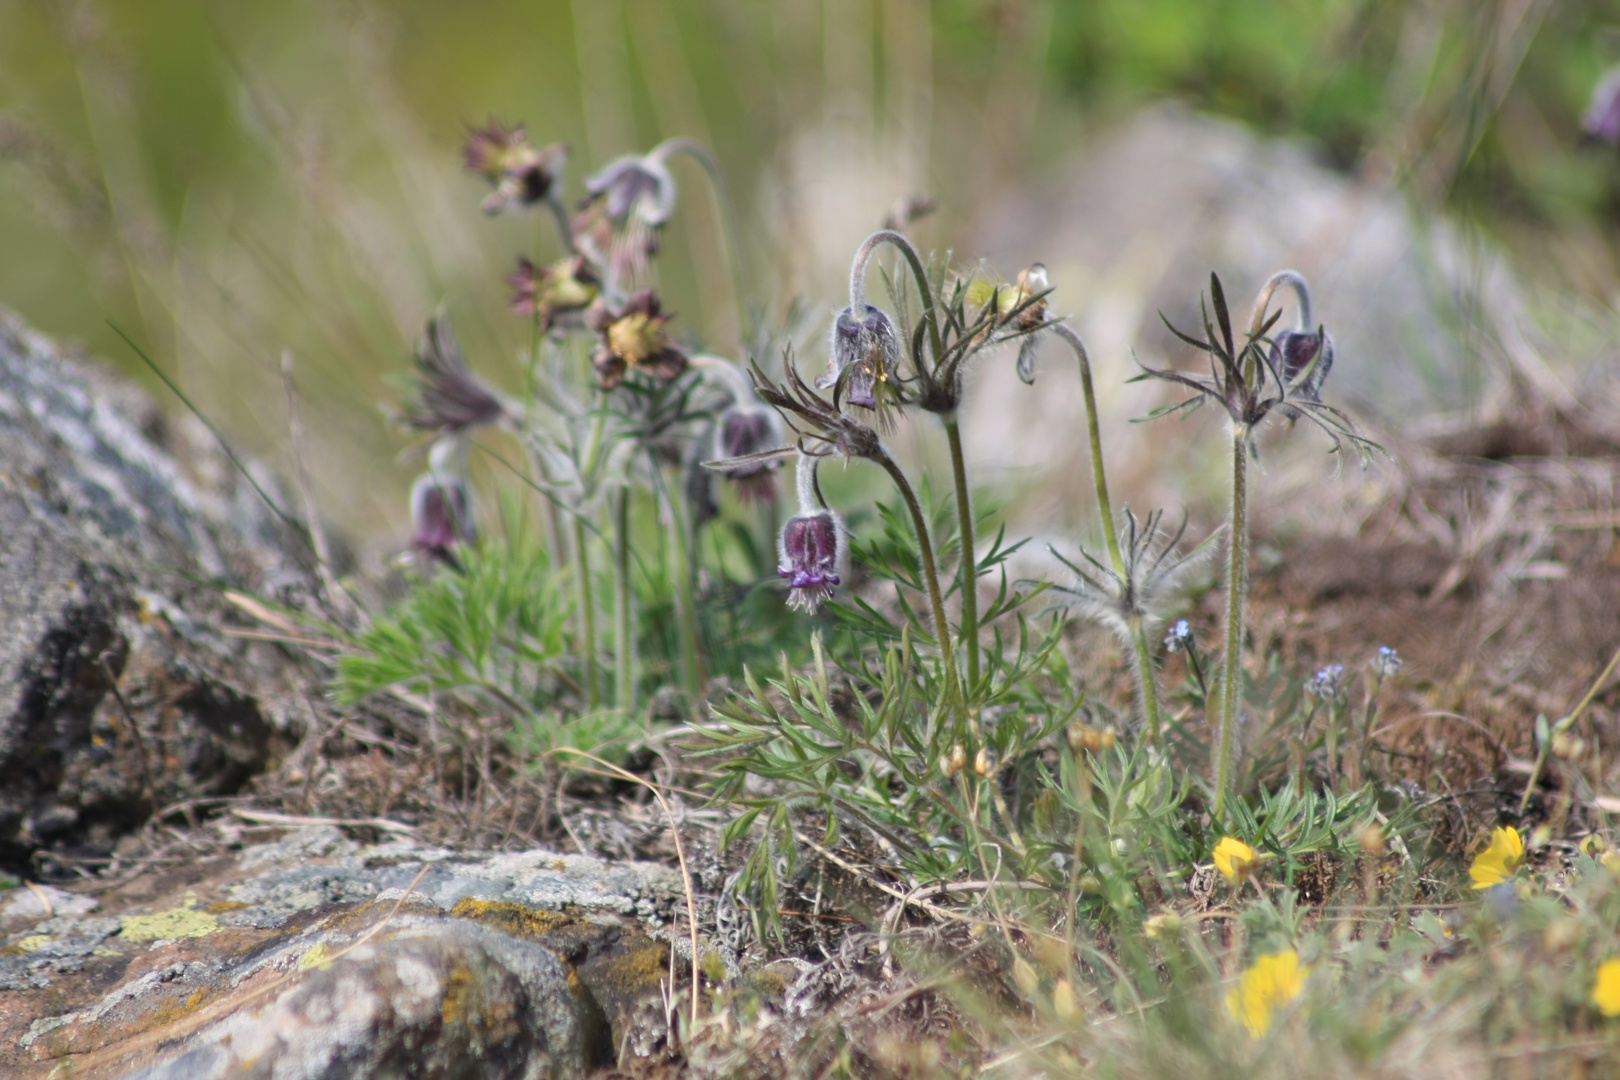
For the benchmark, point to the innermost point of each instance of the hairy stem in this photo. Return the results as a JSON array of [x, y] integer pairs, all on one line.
[[587, 648], [728, 218], [857, 280], [925, 546], [1237, 584], [624, 643], [692, 666], [970, 561], [1146, 677]]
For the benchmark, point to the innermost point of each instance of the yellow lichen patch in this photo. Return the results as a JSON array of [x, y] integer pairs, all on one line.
[[641, 964], [320, 954], [509, 918], [223, 906], [33, 943], [173, 1009], [180, 922], [458, 989]]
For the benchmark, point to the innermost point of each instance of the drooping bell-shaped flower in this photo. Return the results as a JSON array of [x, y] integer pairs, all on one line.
[[1302, 359], [618, 224], [812, 546], [633, 338], [558, 294], [441, 504], [865, 353], [743, 431], [521, 173]]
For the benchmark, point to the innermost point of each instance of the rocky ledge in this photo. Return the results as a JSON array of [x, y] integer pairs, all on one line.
[[315, 957]]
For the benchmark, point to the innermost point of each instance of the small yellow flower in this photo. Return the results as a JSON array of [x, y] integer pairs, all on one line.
[[1606, 994], [1235, 859], [1273, 981], [1497, 863]]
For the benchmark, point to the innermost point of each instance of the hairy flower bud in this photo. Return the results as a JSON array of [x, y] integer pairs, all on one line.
[[867, 345], [441, 504], [1295, 357], [812, 546], [956, 760], [982, 762]]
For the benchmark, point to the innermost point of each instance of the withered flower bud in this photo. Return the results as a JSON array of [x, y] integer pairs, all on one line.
[[558, 294], [522, 175], [982, 763], [956, 761], [742, 431], [812, 546], [868, 347], [450, 398], [633, 339]]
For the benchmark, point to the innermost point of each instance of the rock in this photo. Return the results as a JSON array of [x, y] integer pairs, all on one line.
[[122, 533], [389, 960], [33, 901]]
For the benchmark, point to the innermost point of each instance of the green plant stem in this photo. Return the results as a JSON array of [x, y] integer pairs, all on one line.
[[1237, 582], [1146, 677], [970, 562], [692, 666], [582, 569], [624, 684], [1564, 725], [925, 547], [728, 219], [857, 280]]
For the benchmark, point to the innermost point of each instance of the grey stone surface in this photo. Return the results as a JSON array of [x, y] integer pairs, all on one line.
[[120, 533]]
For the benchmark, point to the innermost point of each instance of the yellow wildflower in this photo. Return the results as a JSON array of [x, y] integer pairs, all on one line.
[[1496, 863], [1235, 859], [1273, 981], [1606, 994]]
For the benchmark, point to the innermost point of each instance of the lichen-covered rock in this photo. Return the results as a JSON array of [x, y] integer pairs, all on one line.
[[392, 960], [120, 539]]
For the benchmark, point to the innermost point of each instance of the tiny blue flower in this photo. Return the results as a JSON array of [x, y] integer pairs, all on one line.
[[1387, 662], [1180, 637], [1328, 684]]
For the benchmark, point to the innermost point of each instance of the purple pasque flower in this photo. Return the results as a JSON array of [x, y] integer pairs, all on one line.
[[618, 224], [866, 353], [559, 294], [744, 431], [633, 338], [521, 173], [1302, 360], [449, 398], [441, 504], [1602, 120], [812, 546]]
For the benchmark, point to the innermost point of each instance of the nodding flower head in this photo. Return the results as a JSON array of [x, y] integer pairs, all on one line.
[[1602, 120], [866, 354], [744, 431], [619, 221], [521, 173], [441, 504], [558, 294], [450, 398], [633, 338], [812, 547], [1302, 360]]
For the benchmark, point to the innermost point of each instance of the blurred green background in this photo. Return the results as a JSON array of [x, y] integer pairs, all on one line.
[[226, 181]]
